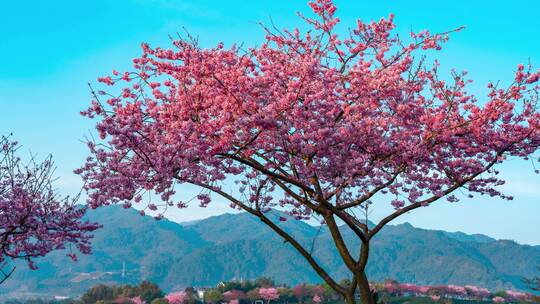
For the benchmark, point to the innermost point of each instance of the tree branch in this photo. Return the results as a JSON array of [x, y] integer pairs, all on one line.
[[432, 199], [327, 278], [339, 242]]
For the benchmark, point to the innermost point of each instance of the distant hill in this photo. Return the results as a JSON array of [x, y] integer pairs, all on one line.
[[478, 238], [131, 247]]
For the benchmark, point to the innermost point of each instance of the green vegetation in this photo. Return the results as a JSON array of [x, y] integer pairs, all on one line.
[[203, 259], [147, 291], [251, 292], [249, 249]]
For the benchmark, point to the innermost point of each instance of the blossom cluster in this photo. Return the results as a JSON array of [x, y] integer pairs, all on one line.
[[305, 117], [451, 291], [303, 293], [269, 293], [176, 297], [34, 219]]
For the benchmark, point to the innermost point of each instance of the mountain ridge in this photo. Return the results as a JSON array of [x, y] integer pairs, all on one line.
[[235, 246]]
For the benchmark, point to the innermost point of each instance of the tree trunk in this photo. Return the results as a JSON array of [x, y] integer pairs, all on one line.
[[350, 300], [366, 297]]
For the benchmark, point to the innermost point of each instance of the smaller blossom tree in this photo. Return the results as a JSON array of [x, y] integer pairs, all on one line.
[[516, 296], [176, 297], [137, 300], [300, 292], [34, 219], [269, 294], [477, 292], [233, 294]]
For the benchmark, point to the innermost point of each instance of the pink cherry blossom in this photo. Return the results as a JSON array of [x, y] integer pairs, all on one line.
[[178, 297], [517, 295], [233, 295], [34, 219], [456, 289], [138, 300], [477, 291], [269, 294], [300, 291], [450, 291]]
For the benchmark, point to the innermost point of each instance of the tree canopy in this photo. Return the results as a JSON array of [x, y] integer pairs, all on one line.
[[34, 218], [313, 122]]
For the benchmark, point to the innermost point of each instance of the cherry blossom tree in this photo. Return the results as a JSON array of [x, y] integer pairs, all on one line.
[[451, 291], [137, 300], [300, 292], [176, 297], [311, 122], [477, 292], [269, 294], [34, 219], [233, 294], [516, 295]]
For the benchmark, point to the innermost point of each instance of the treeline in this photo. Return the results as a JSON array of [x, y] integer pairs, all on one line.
[[265, 290], [145, 292]]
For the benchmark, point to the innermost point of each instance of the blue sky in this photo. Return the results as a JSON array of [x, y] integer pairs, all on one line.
[[49, 50]]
